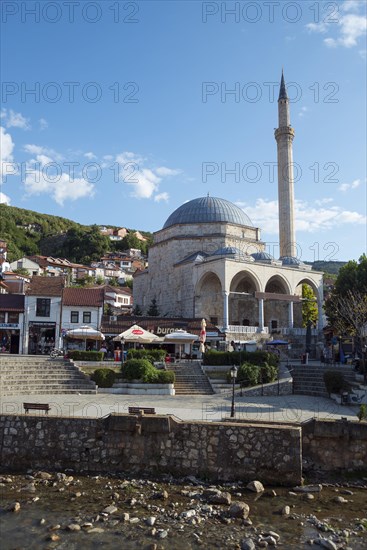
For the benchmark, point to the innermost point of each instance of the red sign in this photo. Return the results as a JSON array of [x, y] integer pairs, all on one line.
[[137, 331]]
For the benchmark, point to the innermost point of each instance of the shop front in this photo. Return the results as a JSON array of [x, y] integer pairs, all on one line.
[[41, 338], [9, 337]]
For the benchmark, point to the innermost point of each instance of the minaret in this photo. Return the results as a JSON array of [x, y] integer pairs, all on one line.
[[284, 136]]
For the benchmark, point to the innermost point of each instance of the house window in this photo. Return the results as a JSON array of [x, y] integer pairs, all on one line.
[[87, 317], [13, 317], [2, 316], [43, 307], [274, 324], [74, 317], [214, 320]]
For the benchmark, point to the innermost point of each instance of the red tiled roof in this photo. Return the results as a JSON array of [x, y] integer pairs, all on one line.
[[46, 286], [92, 297]]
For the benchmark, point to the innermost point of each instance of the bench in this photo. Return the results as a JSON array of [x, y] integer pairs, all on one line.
[[141, 410], [36, 407]]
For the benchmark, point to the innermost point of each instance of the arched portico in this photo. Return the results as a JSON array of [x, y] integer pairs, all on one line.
[[209, 299], [318, 296], [243, 307]]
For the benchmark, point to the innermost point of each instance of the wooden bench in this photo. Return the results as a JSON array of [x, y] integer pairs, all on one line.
[[36, 407], [141, 410]]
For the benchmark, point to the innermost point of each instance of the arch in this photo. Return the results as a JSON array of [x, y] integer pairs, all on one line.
[[278, 285], [244, 281], [310, 283], [209, 297]]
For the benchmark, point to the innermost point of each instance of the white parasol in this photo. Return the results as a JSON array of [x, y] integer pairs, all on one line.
[[138, 335], [180, 337], [85, 333], [202, 336]]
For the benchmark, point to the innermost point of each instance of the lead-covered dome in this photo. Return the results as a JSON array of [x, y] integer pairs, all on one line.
[[208, 210]]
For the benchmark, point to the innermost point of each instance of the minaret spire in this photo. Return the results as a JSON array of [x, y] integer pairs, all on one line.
[[284, 136]]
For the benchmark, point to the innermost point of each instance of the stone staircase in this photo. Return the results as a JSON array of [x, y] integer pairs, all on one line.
[[190, 379], [309, 379], [32, 374]]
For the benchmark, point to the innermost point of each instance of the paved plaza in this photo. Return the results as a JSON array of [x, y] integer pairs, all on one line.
[[289, 408]]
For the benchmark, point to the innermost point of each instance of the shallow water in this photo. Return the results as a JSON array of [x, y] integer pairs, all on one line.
[[56, 502]]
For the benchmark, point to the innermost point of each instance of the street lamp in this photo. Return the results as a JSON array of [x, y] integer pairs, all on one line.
[[233, 372]]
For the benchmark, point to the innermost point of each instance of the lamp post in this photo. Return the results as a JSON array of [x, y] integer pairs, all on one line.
[[233, 376]]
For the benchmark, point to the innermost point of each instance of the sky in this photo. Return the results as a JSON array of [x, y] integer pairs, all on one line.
[[116, 113]]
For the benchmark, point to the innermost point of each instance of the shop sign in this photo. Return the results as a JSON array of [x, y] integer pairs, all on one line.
[[212, 334], [164, 330], [9, 325], [40, 324]]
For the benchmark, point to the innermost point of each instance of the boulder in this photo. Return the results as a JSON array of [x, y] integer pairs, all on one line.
[[255, 486], [239, 510]]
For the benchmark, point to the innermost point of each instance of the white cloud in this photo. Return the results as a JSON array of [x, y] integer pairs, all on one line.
[[7, 166], [326, 200], [308, 218], [346, 186], [163, 171], [14, 120], [40, 150], [349, 26], [303, 111], [144, 180], [90, 156], [43, 124], [161, 197], [4, 199]]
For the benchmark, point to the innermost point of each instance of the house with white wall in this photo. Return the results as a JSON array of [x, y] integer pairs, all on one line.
[[81, 306]]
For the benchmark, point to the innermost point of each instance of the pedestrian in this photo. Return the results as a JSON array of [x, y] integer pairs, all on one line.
[[103, 349]]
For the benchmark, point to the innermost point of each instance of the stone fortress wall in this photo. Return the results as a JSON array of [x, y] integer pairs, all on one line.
[[226, 451]]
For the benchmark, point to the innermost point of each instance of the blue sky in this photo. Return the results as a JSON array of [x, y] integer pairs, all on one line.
[[132, 112]]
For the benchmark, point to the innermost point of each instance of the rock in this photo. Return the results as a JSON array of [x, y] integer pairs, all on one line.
[[239, 510], [87, 525], [55, 527], [74, 527], [125, 516], [193, 480], [255, 486], [15, 507], [247, 522], [262, 543], [269, 540], [221, 498], [285, 511], [247, 544], [77, 495], [54, 537], [151, 521], [308, 496], [110, 509], [308, 489], [95, 530], [162, 533], [188, 514], [134, 520], [42, 521], [273, 534], [327, 543], [30, 488], [340, 500], [43, 475], [161, 495]]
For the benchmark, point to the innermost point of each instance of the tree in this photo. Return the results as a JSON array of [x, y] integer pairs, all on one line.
[[22, 271], [153, 310], [309, 306], [137, 310]]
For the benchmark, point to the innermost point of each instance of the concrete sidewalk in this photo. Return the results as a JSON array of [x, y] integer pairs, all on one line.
[[289, 408]]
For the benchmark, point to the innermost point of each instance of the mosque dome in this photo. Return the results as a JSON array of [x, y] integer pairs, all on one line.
[[234, 252], [208, 210], [262, 257], [290, 260]]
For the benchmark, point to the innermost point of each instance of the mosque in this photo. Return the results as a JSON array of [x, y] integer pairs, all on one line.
[[208, 261]]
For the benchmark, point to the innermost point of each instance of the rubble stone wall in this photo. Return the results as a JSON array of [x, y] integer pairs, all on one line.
[[152, 444]]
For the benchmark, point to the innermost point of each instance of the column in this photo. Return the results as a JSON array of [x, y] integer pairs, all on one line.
[[225, 310], [320, 324], [261, 314], [290, 315]]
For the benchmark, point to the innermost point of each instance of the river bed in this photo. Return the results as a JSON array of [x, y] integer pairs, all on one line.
[[44, 510]]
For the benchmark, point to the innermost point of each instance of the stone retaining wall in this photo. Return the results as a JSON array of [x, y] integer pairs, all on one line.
[[283, 387], [152, 444], [335, 445]]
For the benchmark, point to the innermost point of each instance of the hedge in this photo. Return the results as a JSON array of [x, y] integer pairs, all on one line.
[[157, 355], [78, 355], [104, 378], [258, 358], [142, 369], [335, 382], [252, 375]]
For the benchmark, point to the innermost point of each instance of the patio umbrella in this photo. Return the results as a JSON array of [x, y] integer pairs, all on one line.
[[180, 337], [277, 343], [85, 333], [138, 335], [202, 336]]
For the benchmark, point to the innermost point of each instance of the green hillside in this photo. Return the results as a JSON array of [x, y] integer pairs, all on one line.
[[27, 232]]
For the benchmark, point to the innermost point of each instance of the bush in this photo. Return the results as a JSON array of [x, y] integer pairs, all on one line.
[[248, 375], [136, 369], [362, 413], [258, 358], [78, 355], [335, 382], [104, 378], [151, 354], [268, 373], [165, 377]]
